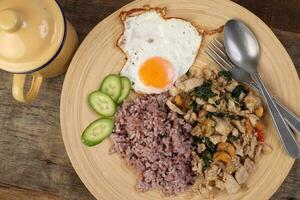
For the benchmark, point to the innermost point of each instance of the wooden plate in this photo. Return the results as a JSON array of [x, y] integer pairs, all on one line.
[[106, 176]]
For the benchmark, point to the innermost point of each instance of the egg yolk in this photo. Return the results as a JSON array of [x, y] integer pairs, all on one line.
[[157, 72]]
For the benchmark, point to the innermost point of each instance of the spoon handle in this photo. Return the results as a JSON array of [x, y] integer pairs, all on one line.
[[284, 132], [290, 118]]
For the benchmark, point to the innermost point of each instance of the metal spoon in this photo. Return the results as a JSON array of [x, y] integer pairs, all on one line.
[[244, 51]]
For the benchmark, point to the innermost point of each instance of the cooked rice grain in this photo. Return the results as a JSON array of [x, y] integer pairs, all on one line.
[[156, 142]]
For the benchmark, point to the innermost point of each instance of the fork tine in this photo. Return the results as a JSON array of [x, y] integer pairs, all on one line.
[[215, 44], [219, 42], [215, 60], [228, 65]]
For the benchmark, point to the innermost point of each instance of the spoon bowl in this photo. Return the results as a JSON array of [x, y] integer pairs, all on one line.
[[241, 45]]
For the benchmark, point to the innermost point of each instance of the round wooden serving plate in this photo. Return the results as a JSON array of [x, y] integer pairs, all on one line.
[[106, 176]]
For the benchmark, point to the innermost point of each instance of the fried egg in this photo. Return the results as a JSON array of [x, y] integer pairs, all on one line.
[[159, 50]]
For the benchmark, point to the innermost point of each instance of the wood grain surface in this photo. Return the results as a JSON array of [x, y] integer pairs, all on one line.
[[33, 160]]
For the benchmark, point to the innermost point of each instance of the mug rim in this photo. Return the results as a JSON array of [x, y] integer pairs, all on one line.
[[57, 51]]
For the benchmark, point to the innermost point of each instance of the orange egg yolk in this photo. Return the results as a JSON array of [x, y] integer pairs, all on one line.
[[157, 72]]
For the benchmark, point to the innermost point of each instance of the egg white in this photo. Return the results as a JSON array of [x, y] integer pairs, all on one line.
[[150, 35]]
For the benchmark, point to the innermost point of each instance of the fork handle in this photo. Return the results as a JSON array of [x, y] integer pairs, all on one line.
[[284, 132], [290, 118]]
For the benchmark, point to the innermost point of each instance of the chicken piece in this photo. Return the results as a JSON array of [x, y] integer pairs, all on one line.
[[200, 101], [230, 184], [201, 116], [173, 91], [235, 132], [190, 84], [223, 126], [249, 127], [215, 139], [179, 82], [253, 145], [219, 184], [245, 139], [190, 116], [258, 150], [233, 165], [253, 119], [197, 131], [238, 148], [246, 150], [181, 79], [214, 90], [174, 108], [241, 97], [244, 113], [195, 72], [239, 125], [249, 165], [222, 106], [241, 175], [231, 86], [197, 164], [208, 127], [212, 173], [200, 148], [209, 108], [252, 102], [232, 107]]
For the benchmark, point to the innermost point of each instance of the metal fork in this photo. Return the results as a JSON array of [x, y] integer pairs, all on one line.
[[216, 51]]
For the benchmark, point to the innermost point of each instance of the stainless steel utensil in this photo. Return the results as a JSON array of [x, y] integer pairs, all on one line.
[[244, 51], [216, 52]]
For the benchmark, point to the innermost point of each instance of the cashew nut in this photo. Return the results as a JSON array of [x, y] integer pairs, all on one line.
[[178, 100], [259, 112], [222, 156], [227, 147]]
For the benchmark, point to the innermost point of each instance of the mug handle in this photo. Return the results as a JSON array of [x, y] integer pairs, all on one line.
[[18, 87]]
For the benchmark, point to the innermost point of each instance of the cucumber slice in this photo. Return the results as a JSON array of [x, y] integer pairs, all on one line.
[[112, 86], [97, 131], [102, 104], [126, 87]]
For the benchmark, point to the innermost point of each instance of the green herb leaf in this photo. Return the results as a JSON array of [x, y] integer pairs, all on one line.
[[207, 83], [236, 92], [204, 91], [207, 158], [226, 75], [209, 145], [194, 105], [231, 138]]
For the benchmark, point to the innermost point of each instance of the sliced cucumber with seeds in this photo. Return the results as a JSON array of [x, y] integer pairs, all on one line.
[[112, 86], [102, 104], [97, 131], [126, 87]]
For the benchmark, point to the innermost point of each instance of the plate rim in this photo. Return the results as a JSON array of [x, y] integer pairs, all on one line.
[[77, 54]]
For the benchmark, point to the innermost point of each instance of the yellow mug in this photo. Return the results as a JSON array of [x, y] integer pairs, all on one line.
[[36, 40]]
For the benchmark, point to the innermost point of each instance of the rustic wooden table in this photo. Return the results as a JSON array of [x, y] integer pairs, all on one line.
[[33, 160]]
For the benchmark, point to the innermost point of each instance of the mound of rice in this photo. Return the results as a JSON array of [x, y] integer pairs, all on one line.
[[156, 143]]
